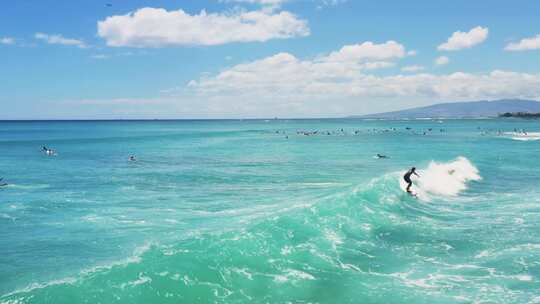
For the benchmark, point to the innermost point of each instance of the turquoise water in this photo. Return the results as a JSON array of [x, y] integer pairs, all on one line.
[[236, 212]]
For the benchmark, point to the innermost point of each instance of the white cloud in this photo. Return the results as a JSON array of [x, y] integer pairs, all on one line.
[[368, 51], [525, 44], [154, 27], [287, 71], [412, 68], [463, 40], [442, 60], [59, 39], [294, 95], [7, 40], [283, 84], [335, 84]]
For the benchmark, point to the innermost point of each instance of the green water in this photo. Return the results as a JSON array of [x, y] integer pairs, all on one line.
[[256, 211]]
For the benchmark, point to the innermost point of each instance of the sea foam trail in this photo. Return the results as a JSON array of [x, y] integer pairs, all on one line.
[[524, 136], [444, 179]]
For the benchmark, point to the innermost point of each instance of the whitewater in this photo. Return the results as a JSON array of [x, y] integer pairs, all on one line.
[[270, 211]]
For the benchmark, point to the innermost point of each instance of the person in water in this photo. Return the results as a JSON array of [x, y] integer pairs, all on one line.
[[48, 151], [381, 156], [2, 184], [132, 158], [407, 178]]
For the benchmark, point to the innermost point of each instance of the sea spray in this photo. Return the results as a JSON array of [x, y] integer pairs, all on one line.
[[444, 179]]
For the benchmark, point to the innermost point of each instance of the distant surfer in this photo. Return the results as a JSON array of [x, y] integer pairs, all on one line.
[[381, 156], [132, 158], [407, 178], [48, 151], [2, 184]]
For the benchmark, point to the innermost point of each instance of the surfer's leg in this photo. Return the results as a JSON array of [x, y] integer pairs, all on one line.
[[409, 187]]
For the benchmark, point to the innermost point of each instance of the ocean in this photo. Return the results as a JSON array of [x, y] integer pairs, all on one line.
[[270, 211]]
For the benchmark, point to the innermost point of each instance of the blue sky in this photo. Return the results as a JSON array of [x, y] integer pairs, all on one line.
[[260, 58]]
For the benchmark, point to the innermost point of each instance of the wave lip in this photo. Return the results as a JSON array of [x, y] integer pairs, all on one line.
[[445, 179]]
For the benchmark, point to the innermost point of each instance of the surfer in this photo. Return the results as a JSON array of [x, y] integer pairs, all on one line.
[[381, 156], [132, 158], [2, 184], [48, 151], [407, 178]]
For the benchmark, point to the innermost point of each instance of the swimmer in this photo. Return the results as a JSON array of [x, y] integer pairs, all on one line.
[[407, 178], [47, 150]]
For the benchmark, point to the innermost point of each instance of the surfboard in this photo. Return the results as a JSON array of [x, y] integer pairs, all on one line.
[[403, 186], [413, 194]]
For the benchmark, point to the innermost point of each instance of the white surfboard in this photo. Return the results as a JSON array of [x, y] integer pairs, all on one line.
[[403, 186]]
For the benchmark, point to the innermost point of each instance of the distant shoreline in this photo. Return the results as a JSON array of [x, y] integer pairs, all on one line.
[[500, 116], [526, 115], [244, 119]]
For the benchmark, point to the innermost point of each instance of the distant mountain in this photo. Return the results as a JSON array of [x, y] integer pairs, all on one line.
[[463, 109]]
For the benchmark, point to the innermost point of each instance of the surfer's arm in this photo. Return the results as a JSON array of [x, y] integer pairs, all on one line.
[[416, 174]]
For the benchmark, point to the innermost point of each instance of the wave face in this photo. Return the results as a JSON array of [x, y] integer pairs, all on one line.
[[251, 217]]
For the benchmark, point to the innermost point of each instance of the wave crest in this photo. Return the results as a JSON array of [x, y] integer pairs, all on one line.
[[444, 179]]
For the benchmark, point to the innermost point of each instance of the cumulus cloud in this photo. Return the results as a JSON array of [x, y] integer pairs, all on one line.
[[525, 44], [7, 40], [155, 27], [283, 83], [59, 39], [287, 72], [464, 40], [291, 95], [367, 51], [442, 60], [412, 68]]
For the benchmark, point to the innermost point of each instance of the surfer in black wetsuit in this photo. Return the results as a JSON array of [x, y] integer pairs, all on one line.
[[407, 178], [47, 150], [2, 184]]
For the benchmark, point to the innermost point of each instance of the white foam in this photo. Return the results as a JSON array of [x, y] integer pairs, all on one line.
[[443, 179], [7, 216], [28, 187], [134, 259], [292, 274], [523, 136], [141, 280]]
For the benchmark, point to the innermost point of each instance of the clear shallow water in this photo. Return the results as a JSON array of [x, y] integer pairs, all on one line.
[[232, 212]]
